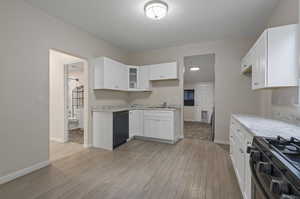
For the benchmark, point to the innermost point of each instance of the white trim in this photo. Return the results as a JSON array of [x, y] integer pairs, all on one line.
[[58, 140], [22, 172], [221, 142], [87, 145]]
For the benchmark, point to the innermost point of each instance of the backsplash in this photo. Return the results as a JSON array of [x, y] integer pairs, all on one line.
[[289, 114]]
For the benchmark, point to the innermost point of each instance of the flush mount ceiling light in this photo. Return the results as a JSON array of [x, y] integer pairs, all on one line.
[[194, 68], [156, 9]]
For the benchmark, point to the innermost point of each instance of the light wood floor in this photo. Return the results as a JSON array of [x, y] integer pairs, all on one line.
[[62, 150], [137, 170], [197, 130]]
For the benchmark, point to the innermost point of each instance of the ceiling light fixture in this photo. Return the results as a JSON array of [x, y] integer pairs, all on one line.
[[156, 9], [194, 68]]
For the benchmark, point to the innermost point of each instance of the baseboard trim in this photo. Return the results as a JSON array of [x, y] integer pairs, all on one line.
[[221, 142], [23, 172], [87, 146], [58, 140]]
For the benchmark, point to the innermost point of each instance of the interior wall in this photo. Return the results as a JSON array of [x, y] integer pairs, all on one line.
[[233, 92], [26, 36]]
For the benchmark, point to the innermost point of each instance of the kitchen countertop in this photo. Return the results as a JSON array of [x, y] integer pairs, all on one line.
[[118, 108], [260, 126]]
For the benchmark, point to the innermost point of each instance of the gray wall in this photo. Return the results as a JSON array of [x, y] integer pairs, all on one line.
[[232, 90], [26, 36]]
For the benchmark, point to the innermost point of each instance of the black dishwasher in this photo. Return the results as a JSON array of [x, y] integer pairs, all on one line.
[[120, 128]]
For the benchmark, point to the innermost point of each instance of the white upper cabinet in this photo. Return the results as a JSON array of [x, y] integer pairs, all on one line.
[[138, 78], [143, 78], [273, 58], [109, 74], [112, 75], [133, 74], [164, 71], [259, 62]]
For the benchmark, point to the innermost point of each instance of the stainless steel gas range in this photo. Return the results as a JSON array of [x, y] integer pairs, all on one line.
[[275, 166]]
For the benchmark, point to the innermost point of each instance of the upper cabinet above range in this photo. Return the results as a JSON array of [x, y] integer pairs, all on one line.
[[164, 71], [273, 58]]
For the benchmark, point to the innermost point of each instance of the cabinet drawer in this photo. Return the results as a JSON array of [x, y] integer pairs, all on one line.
[[164, 114]]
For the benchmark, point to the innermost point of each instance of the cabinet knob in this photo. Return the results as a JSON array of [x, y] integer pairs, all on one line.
[[256, 156]]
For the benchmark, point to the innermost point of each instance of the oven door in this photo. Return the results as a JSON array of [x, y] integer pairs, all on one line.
[[257, 191]]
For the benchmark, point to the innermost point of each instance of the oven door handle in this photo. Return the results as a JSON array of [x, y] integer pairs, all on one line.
[[256, 180]]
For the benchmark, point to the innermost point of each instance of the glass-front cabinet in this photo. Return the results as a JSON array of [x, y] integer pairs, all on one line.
[[133, 77]]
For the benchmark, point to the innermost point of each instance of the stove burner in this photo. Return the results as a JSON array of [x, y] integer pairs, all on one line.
[[288, 147]]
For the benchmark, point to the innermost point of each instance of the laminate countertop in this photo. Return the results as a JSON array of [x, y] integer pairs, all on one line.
[[260, 126]]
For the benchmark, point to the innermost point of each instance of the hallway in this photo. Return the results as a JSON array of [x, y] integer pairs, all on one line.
[[197, 130]]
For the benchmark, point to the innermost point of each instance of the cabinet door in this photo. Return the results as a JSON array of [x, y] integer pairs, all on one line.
[[259, 62], [133, 77], [122, 76], [111, 70], [241, 165], [283, 56], [164, 71], [262, 59], [143, 78], [165, 129], [248, 174], [135, 123], [151, 127]]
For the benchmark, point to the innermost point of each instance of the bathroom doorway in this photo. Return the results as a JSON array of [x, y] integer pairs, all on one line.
[[68, 109], [199, 100]]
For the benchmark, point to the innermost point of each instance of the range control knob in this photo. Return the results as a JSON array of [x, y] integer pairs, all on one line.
[[265, 167], [289, 197], [251, 149], [256, 156], [279, 187]]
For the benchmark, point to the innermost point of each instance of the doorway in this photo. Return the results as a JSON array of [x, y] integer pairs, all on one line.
[[68, 83], [199, 100]]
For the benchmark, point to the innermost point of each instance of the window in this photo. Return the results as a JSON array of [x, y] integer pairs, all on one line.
[[77, 98], [189, 97]]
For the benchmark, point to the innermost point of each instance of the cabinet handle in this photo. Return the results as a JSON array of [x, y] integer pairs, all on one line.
[[255, 83]]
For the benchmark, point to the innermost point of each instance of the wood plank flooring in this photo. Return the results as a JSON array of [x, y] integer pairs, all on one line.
[[62, 150], [137, 170], [198, 130]]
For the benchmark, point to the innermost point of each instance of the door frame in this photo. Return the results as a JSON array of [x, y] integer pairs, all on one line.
[[86, 110]]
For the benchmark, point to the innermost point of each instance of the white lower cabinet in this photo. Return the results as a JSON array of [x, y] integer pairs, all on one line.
[[159, 124], [240, 139], [136, 123], [155, 124]]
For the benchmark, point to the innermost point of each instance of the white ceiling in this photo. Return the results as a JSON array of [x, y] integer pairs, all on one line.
[[122, 22], [206, 72]]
